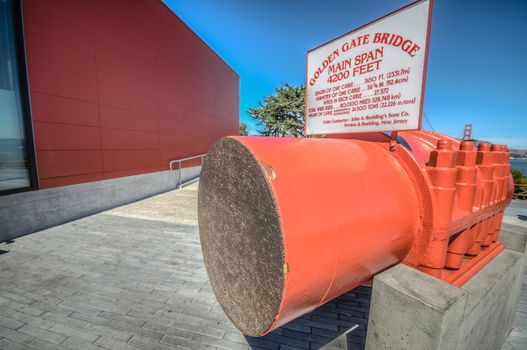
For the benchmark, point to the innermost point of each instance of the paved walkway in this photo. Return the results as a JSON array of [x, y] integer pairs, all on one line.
[[518, 338], [133, 278], [516, 214]]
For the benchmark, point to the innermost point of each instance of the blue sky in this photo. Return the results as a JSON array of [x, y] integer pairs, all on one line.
[[477, 69]]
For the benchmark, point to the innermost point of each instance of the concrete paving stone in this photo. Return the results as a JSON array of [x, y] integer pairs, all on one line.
[[17, 307], [103, 306], [211, 331], [118, 293], [176, 315], [254, 347], [63, 319], [57, 309], [125, 319], [6, 310], [323, 313], [42, 333], [98, 326], [159, 283], [313, 337], [108, 332], [187, 291], [152, 318], [284, 340], [168, 330], [153, 345], [92, 319], [219, 343], [185, 343], [53, 281], [199, 308], [10, 322], [135, 307], [520, 321], [263, 343], [72, 332], [8, 288], [349, 319], [235, 337], [181, 273], [133, 287], [32, 320], [160, 275], [179, 300], [79, 344], [142, 332], [88, 294], [6, 344], [203, 314], [516, 346], [78, 307], [17, 298], [157, 304], [356, 339], [168, 287], [208, 300], [326, 333], [224, 325], [110, 343], [298, 327], [289, 347], [44, 297], [518, 336], [216, 309], [39, 344], [15, 335], [311, 323]]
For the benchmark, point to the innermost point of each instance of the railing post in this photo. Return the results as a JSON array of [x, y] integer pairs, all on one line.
[[180, 166], [180, 178]]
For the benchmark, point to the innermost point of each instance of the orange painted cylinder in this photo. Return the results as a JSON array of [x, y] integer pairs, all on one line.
[[288, 224]]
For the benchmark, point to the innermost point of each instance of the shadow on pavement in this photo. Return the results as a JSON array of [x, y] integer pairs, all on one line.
[[323, 325]]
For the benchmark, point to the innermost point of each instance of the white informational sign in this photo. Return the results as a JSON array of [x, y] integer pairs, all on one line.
[[371, 79]]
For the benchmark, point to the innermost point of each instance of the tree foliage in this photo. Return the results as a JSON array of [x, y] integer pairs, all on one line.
[[281, 114], [520, 179], [244, 131]]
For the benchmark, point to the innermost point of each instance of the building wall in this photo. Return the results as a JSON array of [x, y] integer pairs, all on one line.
[[121, 87]]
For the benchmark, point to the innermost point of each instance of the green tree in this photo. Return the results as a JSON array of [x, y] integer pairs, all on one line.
[[519, 179], [281, 114], [244, 130]]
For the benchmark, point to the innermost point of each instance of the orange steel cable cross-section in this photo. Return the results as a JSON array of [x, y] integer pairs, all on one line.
[[287, 224]]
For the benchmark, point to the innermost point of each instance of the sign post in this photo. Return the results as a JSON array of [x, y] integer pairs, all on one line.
[[371, 79]]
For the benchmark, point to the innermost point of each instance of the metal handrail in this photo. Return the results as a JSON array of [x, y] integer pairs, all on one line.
[[520, 194], [179, 161]]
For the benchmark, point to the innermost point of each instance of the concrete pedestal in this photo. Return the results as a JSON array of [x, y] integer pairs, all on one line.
[[412, 310]]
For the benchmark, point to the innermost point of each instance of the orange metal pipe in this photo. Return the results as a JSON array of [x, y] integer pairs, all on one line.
[[347, 211], [342, 210], [337, 232]]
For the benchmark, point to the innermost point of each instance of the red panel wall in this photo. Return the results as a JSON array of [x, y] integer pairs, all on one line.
[[121, 87]]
